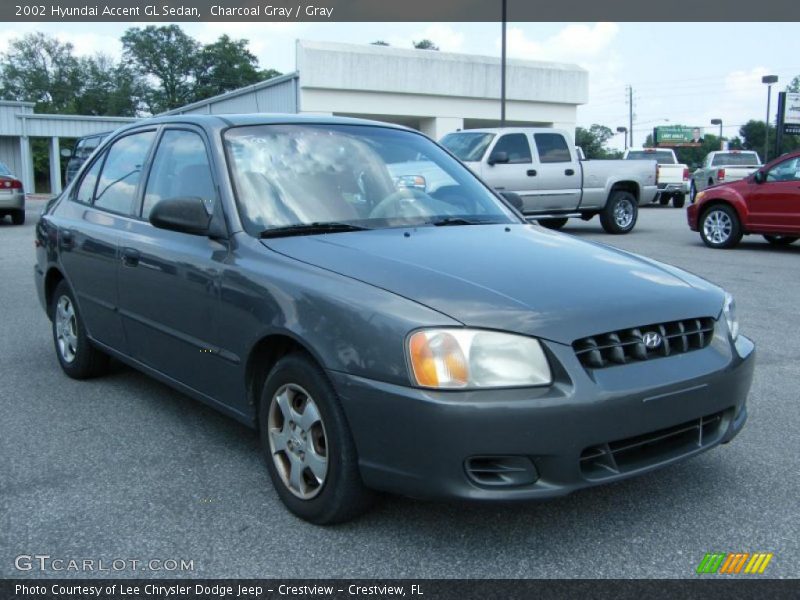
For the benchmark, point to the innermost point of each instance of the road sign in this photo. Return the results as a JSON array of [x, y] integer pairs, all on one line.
[[791, 117]]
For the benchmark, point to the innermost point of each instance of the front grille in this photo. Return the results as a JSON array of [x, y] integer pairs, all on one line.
[[627, 345], [623, 456]]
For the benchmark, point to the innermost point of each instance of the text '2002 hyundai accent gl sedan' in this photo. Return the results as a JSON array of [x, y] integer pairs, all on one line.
[[392, 332]]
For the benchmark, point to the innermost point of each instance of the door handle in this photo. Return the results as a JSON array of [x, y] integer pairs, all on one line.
[[130, 257], [67, 239], [531, 172], [569, 172]]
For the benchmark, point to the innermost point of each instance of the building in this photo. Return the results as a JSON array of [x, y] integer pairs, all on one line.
[[435, 92]]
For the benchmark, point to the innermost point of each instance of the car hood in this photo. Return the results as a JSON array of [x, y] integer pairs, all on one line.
[[513, 278]]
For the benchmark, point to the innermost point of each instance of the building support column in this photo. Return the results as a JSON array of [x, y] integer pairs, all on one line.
[[26, 160], [55, 166]]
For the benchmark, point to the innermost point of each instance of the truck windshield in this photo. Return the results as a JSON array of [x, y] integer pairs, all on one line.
[[736, 159], [663, 158], [351, 175], [467, 146]]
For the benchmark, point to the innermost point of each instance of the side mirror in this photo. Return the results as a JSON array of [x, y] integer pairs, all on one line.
[[759, 177], [186, 215], [66, 153], [497, 157], [513, 199]]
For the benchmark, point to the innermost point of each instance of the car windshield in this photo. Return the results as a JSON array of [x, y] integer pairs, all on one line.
[[663, 158], [368, 177], [736, 159], [467, 146], [4, 170]]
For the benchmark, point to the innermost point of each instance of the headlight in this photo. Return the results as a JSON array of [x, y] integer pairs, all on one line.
[[469, 358], [729, 310]]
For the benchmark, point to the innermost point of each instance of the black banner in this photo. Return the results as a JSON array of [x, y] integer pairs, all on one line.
[[713, 587], [407, 11]]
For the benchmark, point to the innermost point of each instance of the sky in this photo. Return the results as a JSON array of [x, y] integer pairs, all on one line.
[[681, 73]]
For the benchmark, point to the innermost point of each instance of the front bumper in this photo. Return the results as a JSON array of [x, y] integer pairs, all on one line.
[[692, 215], [422, 443], [12, 201]]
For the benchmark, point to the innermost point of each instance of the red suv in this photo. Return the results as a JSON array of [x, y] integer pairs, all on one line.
[[766, 202]]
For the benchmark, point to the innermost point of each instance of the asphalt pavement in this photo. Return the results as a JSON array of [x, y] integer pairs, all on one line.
[[124, 468]]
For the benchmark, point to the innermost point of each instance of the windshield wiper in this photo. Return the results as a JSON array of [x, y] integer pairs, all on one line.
[[445, 221], [309, 229]]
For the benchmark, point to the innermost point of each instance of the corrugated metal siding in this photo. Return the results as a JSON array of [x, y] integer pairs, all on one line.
[[9, 123], [71, 128], [277, 98], [9, 154]]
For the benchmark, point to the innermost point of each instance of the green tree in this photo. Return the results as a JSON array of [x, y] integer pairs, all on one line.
[[226, 65], [167, 55], [752, 134], [109, 88], [594, 140], [38, 68], [425, 44]]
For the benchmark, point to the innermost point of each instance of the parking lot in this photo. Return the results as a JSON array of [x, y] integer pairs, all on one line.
[[123, 467]]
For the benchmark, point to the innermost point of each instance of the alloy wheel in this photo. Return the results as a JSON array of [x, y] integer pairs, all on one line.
[[623, 213], [66, 329], [717, 226]]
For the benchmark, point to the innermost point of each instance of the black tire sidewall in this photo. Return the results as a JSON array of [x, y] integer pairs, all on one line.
[[607, 216], [342, 495], [554, 223], [18, 217], [736, 230], [87, 357], [780, 240], [679, 200]]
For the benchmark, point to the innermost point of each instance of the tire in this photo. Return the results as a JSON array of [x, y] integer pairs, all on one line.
[[679, 200], [692, 192], [553, 223], [327, 486], [780, 240], [75, 353], [620, 213], [663, 200], [720, 227], [18, 217]]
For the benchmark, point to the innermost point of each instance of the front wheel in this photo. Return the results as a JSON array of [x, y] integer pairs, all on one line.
[[720, 227], [679, 200], [310, 454], [553, 223], [620, 213], [780, 240]]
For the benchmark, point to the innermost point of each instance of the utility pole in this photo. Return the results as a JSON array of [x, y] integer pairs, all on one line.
[[630, 113], [503, 72]]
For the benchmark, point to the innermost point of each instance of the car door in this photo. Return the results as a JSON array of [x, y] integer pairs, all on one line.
[[514, 174], [774, 204], [558, 174], [88, 233], [169, 281]]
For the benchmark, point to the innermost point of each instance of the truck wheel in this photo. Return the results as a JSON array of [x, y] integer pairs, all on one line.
[[553, 223], [692, 192], [620, 213], [780, 240], [663, 200], [679, 200], [720, 227], [18, 217], [310, 453]]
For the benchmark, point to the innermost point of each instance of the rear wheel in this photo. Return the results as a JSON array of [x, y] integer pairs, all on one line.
[[76, 355], [720, 227], [780, 240], [663, 200], [620, 213], [679, 200], [310, 453], [18, 217], [692, 192], [553, 223]]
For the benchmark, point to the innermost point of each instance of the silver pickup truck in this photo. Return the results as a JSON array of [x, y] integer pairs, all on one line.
[[723, 167], [542, 166]]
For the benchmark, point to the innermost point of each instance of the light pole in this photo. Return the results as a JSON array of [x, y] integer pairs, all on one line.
[[625, 131], [503, 69], [769, 80], [718, 122]]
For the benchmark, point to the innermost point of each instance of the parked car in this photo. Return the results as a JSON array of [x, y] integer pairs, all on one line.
[[80, 152], [766, 202], [12, 196], [380, 337], [544, 168], [723, 167], [672, 177]]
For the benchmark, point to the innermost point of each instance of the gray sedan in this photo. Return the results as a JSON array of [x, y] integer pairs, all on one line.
[[12, 196], [381, 333]]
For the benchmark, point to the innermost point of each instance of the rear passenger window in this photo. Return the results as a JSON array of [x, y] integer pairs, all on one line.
[[85, 191], [180, 170], [116, 188], [552, 148], [516, 146]]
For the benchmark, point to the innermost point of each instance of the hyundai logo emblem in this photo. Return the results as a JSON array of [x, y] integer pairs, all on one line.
[[651, 340]]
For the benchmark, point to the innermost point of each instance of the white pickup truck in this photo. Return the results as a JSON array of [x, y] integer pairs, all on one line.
[[672, 178], [542, 166], [723, 167]]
